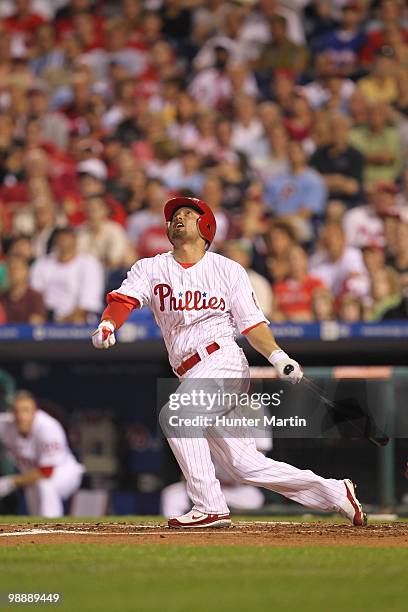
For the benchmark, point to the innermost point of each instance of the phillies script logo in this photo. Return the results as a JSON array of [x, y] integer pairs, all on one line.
[[189, 300]]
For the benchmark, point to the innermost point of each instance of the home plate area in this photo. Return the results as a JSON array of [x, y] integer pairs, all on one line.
[[259, 533]]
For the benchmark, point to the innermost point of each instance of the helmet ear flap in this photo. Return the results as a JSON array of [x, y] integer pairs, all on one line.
[[199, 224]]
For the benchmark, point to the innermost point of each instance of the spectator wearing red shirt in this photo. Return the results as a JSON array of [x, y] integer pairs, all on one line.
[[2, 316], [300, 121], [20, 303], [66, 18], [131, 11], [390, 16], [23, 21], [293, 296]]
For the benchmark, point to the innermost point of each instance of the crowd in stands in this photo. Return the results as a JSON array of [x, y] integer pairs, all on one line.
[[289, 117]]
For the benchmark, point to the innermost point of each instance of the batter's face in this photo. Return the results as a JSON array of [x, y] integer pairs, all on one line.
[[183, 226], [24, 413]]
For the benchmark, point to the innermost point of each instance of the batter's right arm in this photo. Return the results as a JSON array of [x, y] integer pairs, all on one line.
[[134, 292], [115, 314]]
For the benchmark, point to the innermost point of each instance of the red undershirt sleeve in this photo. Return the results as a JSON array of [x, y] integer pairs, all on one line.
[[119, 308], [47, 471]]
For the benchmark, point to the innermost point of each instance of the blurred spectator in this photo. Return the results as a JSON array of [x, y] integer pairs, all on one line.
[[176, 20], [398, 312], [23, 22], [235, 181], [20, 303], [380, 144], [293, 296], [299, 193], [323, 305], [358, 109], [364, 224], [101, 237], [206, 140], [213, 193], [183, 129], [122, 168], [280, 238], [391, 223], [345, 44], [22, 247], [54, 126], [340, 267], [3, 318], [46, 221], [340, 164], [350, 309], [273, 161], [188, 175], [252, 225], [46, 55], [381, 84], [299, 121], [147, 224], [390, 16], [385, 292], [71, 283], [282, 91], [240, 251], [319, 19], [212, 86], [402, 196], [399, 261], [374, 257], [282, 53], [328, 87], [247, 130]]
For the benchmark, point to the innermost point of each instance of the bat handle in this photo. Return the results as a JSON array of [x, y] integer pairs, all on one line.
[[288, 369]]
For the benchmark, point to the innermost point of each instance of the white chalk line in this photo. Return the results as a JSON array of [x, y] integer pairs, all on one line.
[[167, 531], [107, 533]]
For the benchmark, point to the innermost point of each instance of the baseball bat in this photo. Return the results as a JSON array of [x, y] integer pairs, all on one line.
[[315, 389]]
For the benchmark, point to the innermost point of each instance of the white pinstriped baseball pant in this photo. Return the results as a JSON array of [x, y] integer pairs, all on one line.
[[240, 457], [46, 496]]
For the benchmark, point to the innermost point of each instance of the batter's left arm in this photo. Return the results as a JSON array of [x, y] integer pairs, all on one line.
[[251, 322], [262, 340]]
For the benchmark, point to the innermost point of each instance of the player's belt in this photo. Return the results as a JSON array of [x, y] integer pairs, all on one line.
[[194, 359]]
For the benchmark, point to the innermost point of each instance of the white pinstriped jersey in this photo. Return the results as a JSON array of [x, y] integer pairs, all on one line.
[[194, 306], [45, 446]]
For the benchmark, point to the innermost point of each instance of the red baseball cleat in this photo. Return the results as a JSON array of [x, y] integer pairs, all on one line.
[[352, 509], [194, 518]]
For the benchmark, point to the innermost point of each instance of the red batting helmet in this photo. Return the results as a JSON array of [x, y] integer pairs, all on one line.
[[206, 222]]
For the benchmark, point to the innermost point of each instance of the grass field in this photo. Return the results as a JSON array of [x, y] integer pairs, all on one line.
[[178, 578]]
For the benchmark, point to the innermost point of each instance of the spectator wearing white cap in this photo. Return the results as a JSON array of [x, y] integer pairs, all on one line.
[[94, 167]]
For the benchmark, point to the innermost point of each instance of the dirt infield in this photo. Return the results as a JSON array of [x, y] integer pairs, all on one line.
[[254, 533]]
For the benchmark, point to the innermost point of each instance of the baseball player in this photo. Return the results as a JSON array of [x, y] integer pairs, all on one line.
[[49, 472], [199, 298]]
